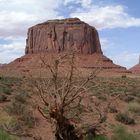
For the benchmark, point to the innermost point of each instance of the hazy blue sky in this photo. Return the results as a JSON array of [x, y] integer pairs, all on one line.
[[118, 23]]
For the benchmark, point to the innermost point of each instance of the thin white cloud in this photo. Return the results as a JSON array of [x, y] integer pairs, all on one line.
[[16, 16], [123, 58], [8, 56], [103, 17], [83, 3], [106, 44], [15, 23], [15, 46], [9, 52], [127, 59]]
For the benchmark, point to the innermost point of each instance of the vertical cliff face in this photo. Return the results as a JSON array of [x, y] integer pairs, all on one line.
[[63, 35]]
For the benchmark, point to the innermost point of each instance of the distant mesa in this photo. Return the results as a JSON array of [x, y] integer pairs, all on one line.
[[136, 69], [59, 36], [2, 65]]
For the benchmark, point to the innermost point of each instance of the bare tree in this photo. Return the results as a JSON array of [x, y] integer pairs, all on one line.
[[65, 101]]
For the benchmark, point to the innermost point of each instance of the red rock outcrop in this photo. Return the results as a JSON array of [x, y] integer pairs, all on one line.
[[136, 69], [63, 35]]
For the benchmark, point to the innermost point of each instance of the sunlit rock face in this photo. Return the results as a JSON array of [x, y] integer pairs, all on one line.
[[63, 35]]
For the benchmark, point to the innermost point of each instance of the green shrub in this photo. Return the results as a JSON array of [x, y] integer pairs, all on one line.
[[15, 108], [138, 100], [121, 134], [101, 97], [127, 98], [134, 107], [124, 118], [18, 106], [9, 80], [124, 76], [113, 109], [7, 90], [15, 126], [22, 97], [136, 93], [98, 137], [27, 118], [3, 98], [5, 136]]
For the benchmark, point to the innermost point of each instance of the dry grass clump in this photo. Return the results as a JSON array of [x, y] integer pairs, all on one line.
[[125, 118]]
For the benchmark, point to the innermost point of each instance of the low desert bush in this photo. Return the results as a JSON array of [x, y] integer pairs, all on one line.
[[28, 118], [5, 136], [136, 93], [9, 80], [101, 97], [134, 107], [7, 90], [124, 76], [120, 133], [15, 126], [124, 118], [98, 137], [18, 105], [19, 108], [127, 98], [22, 98], [15, 108], [12, 125], [138, 100], [3, 98], [113, 109]]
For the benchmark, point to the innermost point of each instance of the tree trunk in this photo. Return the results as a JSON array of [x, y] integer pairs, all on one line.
[[65, 131]]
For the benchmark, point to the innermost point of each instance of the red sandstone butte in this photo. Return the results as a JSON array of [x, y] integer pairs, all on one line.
[[60, 36], [63, 35]]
